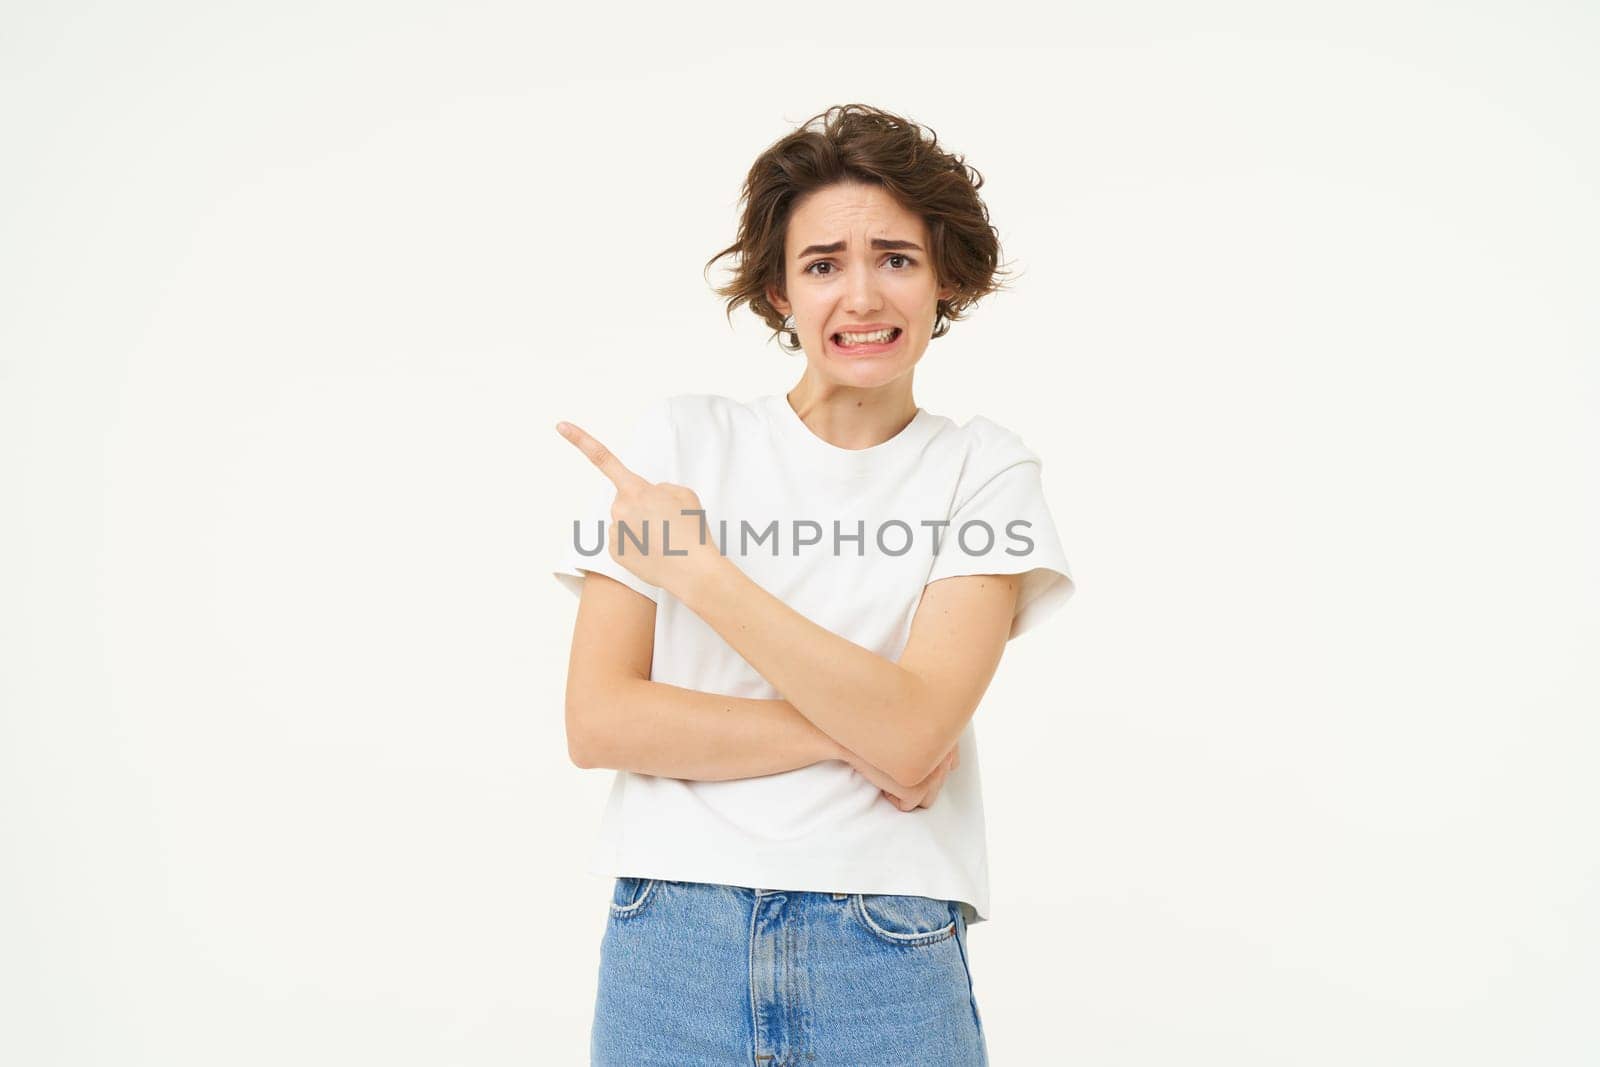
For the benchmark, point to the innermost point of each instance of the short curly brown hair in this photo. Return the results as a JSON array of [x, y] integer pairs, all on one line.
[[864, 144]]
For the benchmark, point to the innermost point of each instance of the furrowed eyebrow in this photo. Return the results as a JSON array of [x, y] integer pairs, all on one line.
[[877, 242]]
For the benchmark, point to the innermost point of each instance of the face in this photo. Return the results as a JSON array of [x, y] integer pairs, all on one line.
[[853, 257]]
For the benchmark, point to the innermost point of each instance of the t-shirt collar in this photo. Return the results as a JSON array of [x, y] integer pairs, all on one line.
[[845, 460]]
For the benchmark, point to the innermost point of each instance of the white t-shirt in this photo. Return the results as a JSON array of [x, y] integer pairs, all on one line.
[[825, 827]]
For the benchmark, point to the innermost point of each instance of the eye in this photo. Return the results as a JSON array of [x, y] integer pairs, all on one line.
[[811, 269]]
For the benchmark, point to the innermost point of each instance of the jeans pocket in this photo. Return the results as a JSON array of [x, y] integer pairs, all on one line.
[[905, 919], [630, 895]]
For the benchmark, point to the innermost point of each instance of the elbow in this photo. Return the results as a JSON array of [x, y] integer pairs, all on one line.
[[580, 743], [904, 762], [913, 761], [593, 707], [913, 769], [928, 740], [577, 746]]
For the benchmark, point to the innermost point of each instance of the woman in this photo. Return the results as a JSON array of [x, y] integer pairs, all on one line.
[[800, 602]]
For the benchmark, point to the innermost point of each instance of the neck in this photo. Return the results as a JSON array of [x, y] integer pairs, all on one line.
[[853, 417]]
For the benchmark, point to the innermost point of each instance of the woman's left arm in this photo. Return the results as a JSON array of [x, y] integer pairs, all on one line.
[[902, 717]]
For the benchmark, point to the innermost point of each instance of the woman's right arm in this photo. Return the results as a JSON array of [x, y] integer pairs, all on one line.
[[617, 717]]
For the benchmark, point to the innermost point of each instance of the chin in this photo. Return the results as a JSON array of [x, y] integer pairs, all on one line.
[[865, 370]]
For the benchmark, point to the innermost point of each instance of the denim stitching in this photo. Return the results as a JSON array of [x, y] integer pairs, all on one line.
[[966, 964], [627, 910], [755, 1016], [927, 938]]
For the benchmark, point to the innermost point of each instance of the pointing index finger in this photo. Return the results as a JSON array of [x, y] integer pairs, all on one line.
[[598, 454]]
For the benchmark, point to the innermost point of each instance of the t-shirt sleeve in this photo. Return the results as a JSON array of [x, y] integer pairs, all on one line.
[[1025, 541], [650, 452]]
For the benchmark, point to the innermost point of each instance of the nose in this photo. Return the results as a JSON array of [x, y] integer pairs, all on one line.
[[861, 291]]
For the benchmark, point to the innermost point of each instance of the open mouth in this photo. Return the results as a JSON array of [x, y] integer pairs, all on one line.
[[878, 340]]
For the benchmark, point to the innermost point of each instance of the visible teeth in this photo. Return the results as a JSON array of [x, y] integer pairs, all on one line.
[[866, 338]]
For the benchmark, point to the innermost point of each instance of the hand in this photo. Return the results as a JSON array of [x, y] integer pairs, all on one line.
[[906, 798], [660, 515]]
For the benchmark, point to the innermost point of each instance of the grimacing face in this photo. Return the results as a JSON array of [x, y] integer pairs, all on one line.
[[839, 279]]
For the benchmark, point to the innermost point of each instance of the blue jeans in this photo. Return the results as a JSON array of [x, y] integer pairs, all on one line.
[[694, 974]]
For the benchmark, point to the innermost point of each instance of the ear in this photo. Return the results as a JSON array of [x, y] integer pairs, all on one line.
[[947, 292], [777, 301]]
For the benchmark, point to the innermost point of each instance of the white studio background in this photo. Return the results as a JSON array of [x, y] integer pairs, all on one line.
[[1305, 332]]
